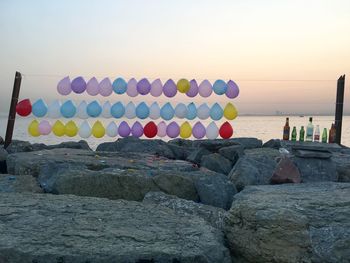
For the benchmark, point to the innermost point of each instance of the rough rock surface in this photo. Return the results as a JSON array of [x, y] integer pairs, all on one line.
[[232, 153], [196, 155], [216, 163], [18, 183], [291, 223], [24, 146], [215, 145], [342, 164], [3, 156], [50, 228]]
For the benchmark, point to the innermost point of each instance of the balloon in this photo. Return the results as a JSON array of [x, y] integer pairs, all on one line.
[[24, 108], [219, 87], [33, 128], [212, 131], [143, 86], [198, 130], [85, 130], [54, 110], [230, 112], [232, 89], [106, 110], [142, 111], [112, 130], [161, 127], [64, 86], [150, 130], [58, 128], [78, 85], [82, 110], [193, 91], [154, 111], [105, 87], [226, 130], [216, 112], [191, 111], [124, 129], [131, 89], [118, 110], [94, 109], [170, 88], [44, 128], [185, 130], [130, 110], [71, 129], [181, 110], [167, 111], [183, 85], [68, 109], [156, 88], [173, 130], [205, 89], [119, 86], [39, 108], [203, 111], [98, 130], [92, 87], [137, 129]]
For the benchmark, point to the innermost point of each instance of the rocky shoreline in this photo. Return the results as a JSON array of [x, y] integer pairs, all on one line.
[[139, 200]]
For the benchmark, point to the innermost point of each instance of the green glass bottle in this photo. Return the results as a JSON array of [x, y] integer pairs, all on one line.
[[302, 134], [294, 134], [324, 135]]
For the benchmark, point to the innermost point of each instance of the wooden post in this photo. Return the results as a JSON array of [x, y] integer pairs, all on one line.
[[339, 108], [12, 113]]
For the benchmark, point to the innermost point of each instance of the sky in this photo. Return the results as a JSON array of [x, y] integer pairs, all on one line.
[[284, 55]]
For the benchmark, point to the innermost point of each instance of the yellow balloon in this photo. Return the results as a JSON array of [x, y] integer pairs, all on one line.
[[58, 128], [98, 130], [230, 111], [185, 130], [71, 129], [183, 85], [33, 128]]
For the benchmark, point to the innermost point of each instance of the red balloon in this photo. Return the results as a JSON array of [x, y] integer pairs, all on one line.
[[226, 130], [150, 130], [24, 108]]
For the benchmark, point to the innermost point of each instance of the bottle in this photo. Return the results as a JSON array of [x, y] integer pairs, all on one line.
[[302, 134], [286, 130], [317, 134], [294, 134], [309, 131], [331, 138], [324, 135]]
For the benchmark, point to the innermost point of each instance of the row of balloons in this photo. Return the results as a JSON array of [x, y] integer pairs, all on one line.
[[143, 87], [130, 111], [149, 130]]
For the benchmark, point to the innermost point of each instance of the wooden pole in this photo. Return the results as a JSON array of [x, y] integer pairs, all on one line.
[[12, 113], [339, 109]]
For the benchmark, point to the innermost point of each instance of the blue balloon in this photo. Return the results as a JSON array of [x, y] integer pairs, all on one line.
[[167, 111], [142, 111], [219, 87], [117, 110], [216, 112], [68, 109], [39, 108], [191, 111], [119, 86], [94, 109]]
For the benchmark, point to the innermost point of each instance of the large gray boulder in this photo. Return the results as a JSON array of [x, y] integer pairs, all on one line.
[[291, 223], [342, 164], [215, 145], [24, 146], [216, 163], [50, 228], [196, 155], [3, 156], [232, 153], [19, 146], [18, 183]]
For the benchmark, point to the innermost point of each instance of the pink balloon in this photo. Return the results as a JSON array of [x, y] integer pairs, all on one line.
[[92, 87], [137, 129], [64, 86], [44, 128], [193, 89], [173, 130], [205, 89], [156, 88], [105, 87], [170, 88], [198, 130], [131, 89], [124, 129], [161, 129], [232, 89]]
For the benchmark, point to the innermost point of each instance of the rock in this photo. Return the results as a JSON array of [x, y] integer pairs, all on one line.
[[3, 156], [24, 146], [285, 172], [212, 215], [273, 143], [216, 163], [248, 143], [342, 164], [2, 142], [290, 223], [313, 154], [50, 228], [196, 155], [18, 183], [19, 146], [232, 153], [215, 145], [180, 152], [83, 145], [311, 146], [181, 142]]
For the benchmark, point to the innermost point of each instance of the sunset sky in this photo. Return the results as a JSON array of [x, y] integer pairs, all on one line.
[[293, 43]]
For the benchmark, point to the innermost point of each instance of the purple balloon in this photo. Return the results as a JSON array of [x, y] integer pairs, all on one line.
[[78, 85], [161, 129], [64, 86], [143, 86], [170, 88], [124, 129], [193, 89], [92, 87], [156, 88], [137, 130], [198, 130], [131, 88], [232, 89], [105, 87], [205, 88], [173, 130]]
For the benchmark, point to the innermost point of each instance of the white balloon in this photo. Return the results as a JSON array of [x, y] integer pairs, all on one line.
[[212, 131], [81, 111], [112, 129], [154, 111], [181, 110], [130, 110], [54, 110], [106, 110], [85, 130], [203, 111]]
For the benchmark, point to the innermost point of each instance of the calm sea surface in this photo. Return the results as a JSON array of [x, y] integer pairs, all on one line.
[[262, 127]]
